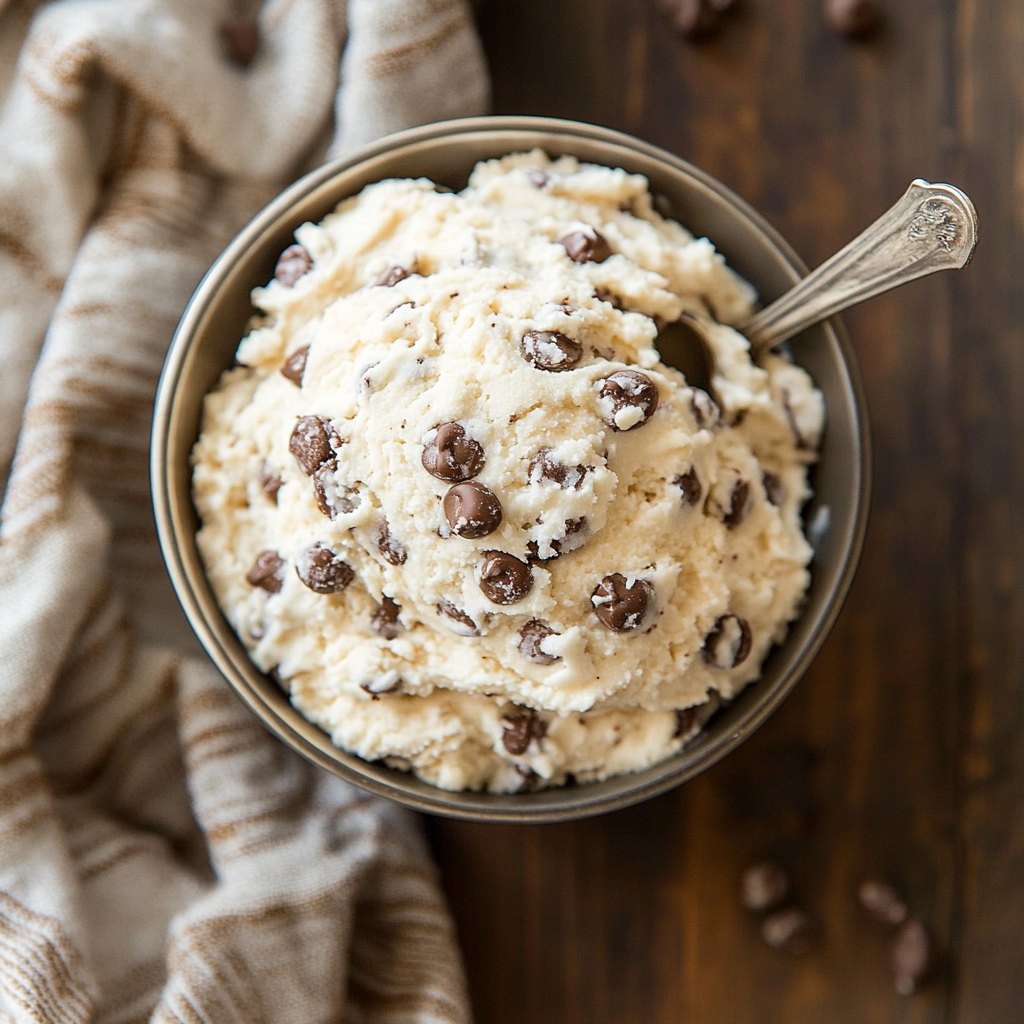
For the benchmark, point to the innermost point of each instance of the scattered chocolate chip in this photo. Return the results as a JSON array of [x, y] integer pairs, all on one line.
[[697, 716], [911, 957], [270, 482], [538, 177], [332, 498], [240, 39], [519, 726], [739, 504], [628, 399], [450, 454], [292, 264], [621, 603], [763, 886], [882, 902], [324, 571], [392, 276], [385, 619], [543, 466], [587, 246], [773, 489], [788, 931], [728, 643], [266, 572], [464, 625], [528, 779], [391, 549], [532, 635], [689, 483], [604, 295], [310, 443], [472, 510], [694, 19], [295, 365], [551, 350], [503, 578], [853, 18], [705, 411]]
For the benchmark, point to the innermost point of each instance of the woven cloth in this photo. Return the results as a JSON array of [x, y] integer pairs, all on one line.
[[161, 856]]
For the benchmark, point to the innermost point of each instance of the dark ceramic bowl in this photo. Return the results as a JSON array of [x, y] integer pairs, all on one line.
[[216, 319]]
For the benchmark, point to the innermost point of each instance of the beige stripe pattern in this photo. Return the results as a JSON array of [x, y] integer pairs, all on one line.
[[162, 858]]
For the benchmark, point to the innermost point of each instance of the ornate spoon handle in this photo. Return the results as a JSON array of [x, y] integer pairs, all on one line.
[[933, 227]]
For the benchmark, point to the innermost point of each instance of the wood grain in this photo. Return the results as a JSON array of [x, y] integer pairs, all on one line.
[[901, 753]]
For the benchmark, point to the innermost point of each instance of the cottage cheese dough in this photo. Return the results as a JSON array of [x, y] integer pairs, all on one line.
[[426, 362]]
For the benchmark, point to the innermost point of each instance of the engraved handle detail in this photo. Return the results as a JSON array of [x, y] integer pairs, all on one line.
[[933, 227]]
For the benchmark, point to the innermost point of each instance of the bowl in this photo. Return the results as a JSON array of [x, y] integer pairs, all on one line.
[[216, 319]]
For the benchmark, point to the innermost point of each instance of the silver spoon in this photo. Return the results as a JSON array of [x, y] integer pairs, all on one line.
[[933, 227]]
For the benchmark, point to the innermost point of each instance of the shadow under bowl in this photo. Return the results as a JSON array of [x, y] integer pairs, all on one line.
[[215, 321]]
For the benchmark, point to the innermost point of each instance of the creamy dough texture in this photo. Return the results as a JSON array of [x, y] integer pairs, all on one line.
[[452, 498]]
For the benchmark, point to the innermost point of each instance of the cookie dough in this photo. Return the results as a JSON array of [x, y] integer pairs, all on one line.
[[453, 500]]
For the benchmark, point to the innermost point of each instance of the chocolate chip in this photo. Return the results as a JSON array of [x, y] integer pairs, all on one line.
[[628, 399], [543, 466], [739, 504], [882, 902], [911, 957], [292, 264], [575, 536], [390, 548], [763, 886], [240, 39], [788, 931], [528, 779], [472, 510], [451, 454], [295, 365], [604, 295], [697, 716], [729, 642], [621, 603], [385, 619], [551, 350], [705, 411], [503, 578], [324, 571], [853, 18], [538, 178], [787, 408], [392, 276], [464, 625], [532, 635], [332, 498], [773, 489], [689, 483], [694, 19], [587, 246], [310, 443], [519, 727], [270, 482], [266, 572]]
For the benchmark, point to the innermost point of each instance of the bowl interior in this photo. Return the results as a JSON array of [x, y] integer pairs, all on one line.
[[216, 320]]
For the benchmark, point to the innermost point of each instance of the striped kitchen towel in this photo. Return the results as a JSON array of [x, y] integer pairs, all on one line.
[[161, 856]]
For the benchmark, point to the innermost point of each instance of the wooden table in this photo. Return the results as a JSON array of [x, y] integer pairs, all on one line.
[[901, 753]]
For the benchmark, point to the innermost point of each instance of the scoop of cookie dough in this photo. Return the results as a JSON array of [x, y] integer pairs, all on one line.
[[454, 499]]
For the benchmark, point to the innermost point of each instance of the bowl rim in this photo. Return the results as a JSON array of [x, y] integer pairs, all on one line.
[[313, 742]]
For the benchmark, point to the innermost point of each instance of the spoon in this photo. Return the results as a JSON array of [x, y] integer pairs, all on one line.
[[933, 227]]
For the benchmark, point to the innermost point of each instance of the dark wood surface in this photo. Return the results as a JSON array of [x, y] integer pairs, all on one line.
[[901, 753]]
